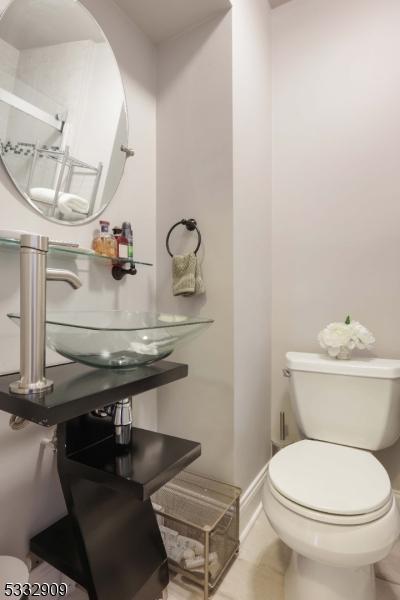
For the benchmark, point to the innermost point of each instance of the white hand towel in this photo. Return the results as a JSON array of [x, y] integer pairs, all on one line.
[[184, 275], [200, 288]]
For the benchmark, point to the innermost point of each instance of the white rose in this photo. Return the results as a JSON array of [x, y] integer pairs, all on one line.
[[334, 336], [337, 336], [362, 337]]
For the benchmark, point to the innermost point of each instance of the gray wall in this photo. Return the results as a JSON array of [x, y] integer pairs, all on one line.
[[336, 178], [214, 151], [194, 175]]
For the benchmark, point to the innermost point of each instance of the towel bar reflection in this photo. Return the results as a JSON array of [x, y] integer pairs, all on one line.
[[66, 164]]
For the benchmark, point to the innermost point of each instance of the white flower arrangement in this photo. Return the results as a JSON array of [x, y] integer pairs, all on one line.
[[339, 339]]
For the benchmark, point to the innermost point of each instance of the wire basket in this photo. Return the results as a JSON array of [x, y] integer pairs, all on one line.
[[199, 523]]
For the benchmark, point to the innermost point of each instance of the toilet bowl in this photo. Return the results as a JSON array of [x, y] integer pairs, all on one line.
[[337, 529], [328, 498], [14, 571]]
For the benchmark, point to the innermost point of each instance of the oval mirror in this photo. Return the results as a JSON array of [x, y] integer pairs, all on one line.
[[63, 118]]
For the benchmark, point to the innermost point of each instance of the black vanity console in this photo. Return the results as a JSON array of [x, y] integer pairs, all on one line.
[[109, 542], [79, 389]]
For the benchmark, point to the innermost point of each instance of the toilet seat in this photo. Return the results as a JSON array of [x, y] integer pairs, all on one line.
[[330, 483], [323, 517]]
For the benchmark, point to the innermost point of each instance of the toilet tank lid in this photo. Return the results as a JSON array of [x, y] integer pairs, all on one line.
[[382, 368]]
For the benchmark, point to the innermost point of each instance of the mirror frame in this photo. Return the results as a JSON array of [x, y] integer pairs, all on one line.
[[22, 192]]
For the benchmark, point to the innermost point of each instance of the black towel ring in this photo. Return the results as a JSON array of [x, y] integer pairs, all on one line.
[[191, 225]]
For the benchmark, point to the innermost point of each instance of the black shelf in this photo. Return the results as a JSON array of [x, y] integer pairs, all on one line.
[[110, 541], [141, 469], [57, 546], [79, 389]]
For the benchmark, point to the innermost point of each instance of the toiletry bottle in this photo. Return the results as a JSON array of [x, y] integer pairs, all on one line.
[[104, 225], [108, 243], [97, 242], [130, 243], [117, 233], [122, 244], [111, 245], [127, 232]]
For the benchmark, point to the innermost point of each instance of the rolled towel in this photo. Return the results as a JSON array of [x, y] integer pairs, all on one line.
[[72, 207], [74, 203], [187, 277], [194, 545], [200, 561], [42, 195]]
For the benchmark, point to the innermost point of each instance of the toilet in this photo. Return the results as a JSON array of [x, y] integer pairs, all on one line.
[[327, 497], [12, 570]]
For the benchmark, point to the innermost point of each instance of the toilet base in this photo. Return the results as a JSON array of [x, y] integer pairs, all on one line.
[[309, 580]]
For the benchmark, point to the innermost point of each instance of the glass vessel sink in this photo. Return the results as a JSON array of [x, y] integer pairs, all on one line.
[[117, 339]]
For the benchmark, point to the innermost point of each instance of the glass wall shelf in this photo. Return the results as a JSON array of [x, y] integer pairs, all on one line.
[[66, 251]]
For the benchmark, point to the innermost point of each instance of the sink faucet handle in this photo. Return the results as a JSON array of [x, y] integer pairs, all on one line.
[[39, 242], [63, 244], [35, 241]]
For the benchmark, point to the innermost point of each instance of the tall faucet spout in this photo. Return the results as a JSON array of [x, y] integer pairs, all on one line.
[[33, 276], [63, 275]]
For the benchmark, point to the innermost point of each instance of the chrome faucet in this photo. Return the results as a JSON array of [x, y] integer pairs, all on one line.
[[33, 277]]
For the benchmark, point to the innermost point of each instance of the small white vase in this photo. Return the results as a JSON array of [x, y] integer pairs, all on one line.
[[344, 354]]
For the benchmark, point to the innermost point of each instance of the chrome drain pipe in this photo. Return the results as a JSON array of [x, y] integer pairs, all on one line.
[[123, 422]]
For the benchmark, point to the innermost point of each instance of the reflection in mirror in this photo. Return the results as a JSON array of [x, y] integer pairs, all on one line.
[[62, 109]]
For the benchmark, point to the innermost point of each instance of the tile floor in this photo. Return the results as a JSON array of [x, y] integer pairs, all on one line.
[[257, 574]]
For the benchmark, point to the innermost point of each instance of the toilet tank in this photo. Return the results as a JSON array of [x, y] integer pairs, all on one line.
[[350, 402]]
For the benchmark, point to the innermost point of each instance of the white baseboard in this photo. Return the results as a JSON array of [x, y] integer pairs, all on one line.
[[250, 503]]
